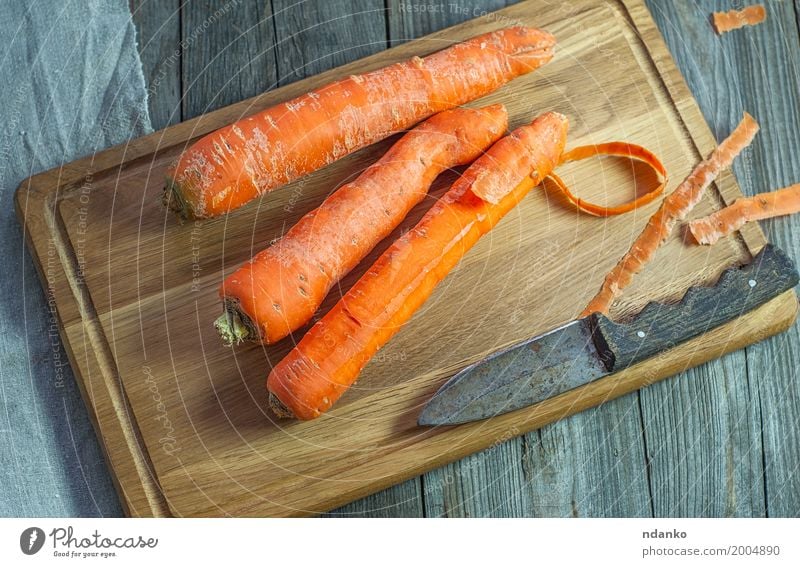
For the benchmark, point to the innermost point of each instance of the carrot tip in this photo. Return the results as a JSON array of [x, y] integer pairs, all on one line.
[[233, 327]]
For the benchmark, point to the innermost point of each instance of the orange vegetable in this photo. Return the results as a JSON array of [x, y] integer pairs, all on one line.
[[280, 289], [236, 164], [709, 229], [674, 208], [331, 355], [735, 19]]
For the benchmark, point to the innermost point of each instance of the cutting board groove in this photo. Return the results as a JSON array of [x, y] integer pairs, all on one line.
[[184, 421]]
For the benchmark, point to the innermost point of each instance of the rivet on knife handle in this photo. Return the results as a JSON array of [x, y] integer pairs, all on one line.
[[659, 326]]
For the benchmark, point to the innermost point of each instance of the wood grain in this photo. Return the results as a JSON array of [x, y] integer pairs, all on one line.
[[490, 475], [147, 291], [406, 23]]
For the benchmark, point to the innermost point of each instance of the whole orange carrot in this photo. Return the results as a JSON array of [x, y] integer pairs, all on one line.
[[331, 355], [279, 290], [673, 209], [782, 202], [235, 164]]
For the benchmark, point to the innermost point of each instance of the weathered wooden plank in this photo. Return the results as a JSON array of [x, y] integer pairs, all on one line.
[[486, 484], [159, 35], [773, 368], [709, 430], [228, 53], [489, 483], [313, 37], [703, 443], [593, 466], [697, 456]]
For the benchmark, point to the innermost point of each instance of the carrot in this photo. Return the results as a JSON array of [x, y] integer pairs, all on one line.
[[280, 289], [782, 202], [735, 19], [491, 189], [673, 209], [257, 154], [331, 355]]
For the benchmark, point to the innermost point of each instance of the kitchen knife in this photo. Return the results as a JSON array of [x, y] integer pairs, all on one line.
[[592, 347]]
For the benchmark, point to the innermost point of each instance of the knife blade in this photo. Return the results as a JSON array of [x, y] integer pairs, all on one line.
[[590, 348]]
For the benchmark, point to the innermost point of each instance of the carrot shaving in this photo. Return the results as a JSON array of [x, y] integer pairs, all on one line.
[[778, 203], [621, 149], [735, 19], [673, 209]]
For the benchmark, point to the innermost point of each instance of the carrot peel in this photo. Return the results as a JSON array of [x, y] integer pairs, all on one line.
[[710, 229], [675, 207]]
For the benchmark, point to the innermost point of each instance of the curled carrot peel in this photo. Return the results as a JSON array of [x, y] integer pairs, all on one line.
[[331, 355], [621, 149], [782, 202], [673, 209]]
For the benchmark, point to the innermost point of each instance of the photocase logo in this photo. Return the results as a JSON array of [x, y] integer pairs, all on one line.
[[31, 540]]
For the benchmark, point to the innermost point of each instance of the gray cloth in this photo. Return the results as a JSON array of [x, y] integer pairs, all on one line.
[[70, 84]]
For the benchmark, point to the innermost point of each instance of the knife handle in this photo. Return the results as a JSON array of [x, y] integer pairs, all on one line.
[[660, 326]]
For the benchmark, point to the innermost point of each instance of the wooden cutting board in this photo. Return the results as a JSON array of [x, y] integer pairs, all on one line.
[[184, 421]]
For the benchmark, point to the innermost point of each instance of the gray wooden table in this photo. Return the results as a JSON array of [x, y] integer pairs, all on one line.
[[720, 440]]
